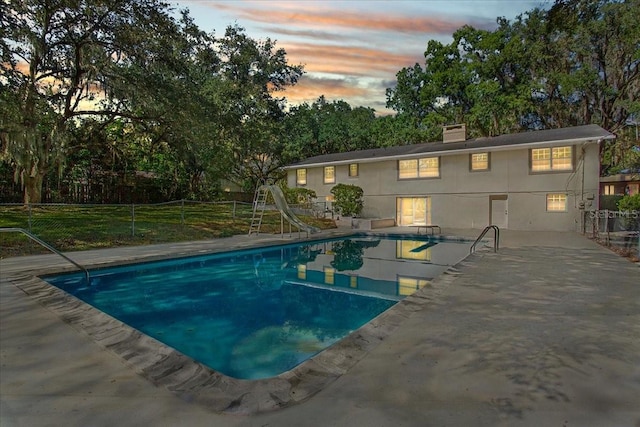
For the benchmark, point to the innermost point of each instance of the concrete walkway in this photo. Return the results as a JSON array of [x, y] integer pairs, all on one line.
[[545, 332]]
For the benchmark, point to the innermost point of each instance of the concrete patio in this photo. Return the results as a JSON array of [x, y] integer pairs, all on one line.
[[544, 332]]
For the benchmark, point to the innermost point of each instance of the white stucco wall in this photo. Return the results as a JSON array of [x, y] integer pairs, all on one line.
[[461, 198]]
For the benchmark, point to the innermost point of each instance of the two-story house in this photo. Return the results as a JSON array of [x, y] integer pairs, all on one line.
[[537, 180]]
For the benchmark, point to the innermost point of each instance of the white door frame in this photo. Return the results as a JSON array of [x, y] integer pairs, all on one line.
[[503, 218], [427, 218]]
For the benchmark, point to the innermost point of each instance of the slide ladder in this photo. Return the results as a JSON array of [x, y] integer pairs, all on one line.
[[259, 203]]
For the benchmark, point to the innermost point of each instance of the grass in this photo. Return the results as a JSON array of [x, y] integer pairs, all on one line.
[[81, 227]]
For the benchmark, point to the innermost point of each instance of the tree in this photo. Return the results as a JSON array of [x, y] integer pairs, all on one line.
[[576, 63], [64, 60], [595, 77], [327, 127], [401, 129], [476, 79], [586, 63], [120, 165], [251, 72]]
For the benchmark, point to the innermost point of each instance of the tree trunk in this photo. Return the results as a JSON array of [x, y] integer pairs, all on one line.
[[33, 188]]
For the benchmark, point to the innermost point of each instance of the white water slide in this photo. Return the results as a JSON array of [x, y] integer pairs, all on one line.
[[286, 211]]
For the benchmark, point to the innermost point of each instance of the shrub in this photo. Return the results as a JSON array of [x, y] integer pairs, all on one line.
[[298, 195], [347, 199], [629, 203]]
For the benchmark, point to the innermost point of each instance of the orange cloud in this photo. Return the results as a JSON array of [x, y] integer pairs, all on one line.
[[279, 15], [309, 89], [23, 67], [347, 60], [361, 50]]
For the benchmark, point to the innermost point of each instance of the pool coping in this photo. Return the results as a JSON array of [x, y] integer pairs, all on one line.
[[192, 381]]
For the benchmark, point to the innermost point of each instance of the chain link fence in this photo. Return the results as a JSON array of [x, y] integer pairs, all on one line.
[[618, 230], [80, 227], [89, 226]]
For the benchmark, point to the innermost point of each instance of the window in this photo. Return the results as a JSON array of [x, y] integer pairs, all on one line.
[[408, 169], [552, 159], [329, 174], [353, 170], [609, 189], [428, 167], [301, 177], [556, 202], [479, 162]]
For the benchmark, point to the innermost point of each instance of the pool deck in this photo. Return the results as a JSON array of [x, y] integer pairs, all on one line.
[[544, 332]]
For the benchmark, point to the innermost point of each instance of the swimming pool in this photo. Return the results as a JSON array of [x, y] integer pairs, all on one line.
[[257, 313]]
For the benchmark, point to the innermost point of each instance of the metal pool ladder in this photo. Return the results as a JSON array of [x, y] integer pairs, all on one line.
[[47, 246], [496, 238]]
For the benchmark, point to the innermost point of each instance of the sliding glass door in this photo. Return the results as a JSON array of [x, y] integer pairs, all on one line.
[[413, 210]]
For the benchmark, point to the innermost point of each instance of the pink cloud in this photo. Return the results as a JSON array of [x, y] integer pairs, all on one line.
[[309, 89], [347, 60], [278, 14]]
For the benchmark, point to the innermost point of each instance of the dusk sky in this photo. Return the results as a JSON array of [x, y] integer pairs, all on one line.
[[352, 49]]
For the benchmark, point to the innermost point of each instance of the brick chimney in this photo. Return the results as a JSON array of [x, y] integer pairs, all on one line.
[[454, 133]]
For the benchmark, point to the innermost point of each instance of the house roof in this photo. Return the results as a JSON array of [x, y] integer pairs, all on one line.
[[621, 177], [550, 137]]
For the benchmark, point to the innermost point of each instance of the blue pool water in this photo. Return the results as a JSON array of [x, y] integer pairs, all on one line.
[[257, 313]]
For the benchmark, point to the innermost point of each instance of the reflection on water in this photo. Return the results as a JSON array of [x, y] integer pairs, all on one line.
[[255, 314], [347, 254], [388, 268]]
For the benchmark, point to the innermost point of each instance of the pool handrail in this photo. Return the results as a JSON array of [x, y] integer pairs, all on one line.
[[46, 246], [496, 238]]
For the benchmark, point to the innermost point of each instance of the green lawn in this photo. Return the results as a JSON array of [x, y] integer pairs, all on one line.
[[80, 227]]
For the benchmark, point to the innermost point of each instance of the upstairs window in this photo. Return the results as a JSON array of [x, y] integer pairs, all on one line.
[[301, 177], [552, 159], [479, 162], [329, 174], [428, 167]]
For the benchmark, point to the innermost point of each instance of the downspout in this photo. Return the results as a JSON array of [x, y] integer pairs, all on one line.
[[582, 205], [596, 197], [582, 183]]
